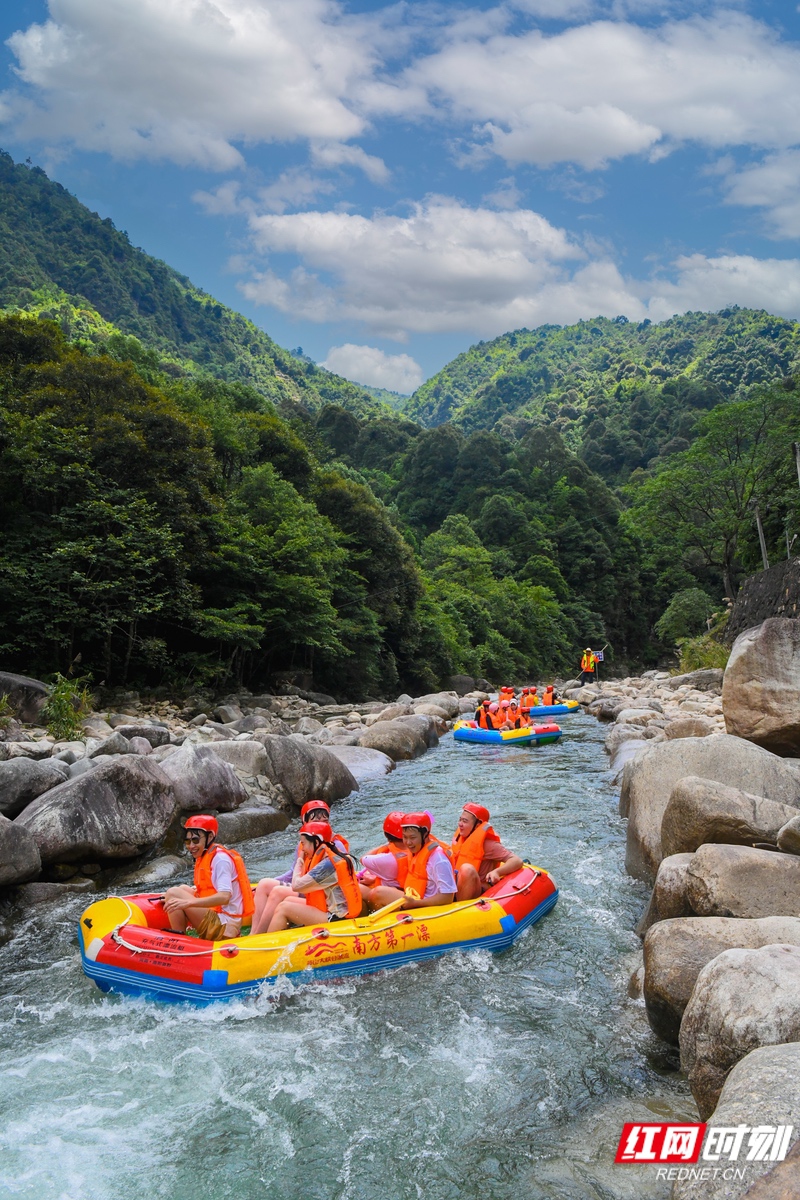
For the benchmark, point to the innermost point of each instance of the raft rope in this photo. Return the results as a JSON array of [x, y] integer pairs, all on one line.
[[406, 918]]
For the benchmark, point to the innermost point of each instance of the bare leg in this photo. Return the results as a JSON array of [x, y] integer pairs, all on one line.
[[178, 918], [261, 895], [295, 912], [384, 894], [469, 883], [279, 892]]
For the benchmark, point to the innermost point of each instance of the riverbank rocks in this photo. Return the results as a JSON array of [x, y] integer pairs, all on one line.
[[26, 696], [303, 771], [738, 881], [157, 871], [117, 810], [395, 739], [426, 726], [761, 689], [157, 735], [707, 679], [390, 713], [117, 743], [446, 701], [363, 764], [685, 727], [668, 898], [256, 818], [702, 810], [675, 952], [202, 780], [19, 855], [648, 780], [763, 1088], [788, 838], [248, 757], [741, 1000], [23, 779]]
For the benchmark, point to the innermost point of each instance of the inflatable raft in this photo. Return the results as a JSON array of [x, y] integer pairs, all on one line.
[[555, 710], [468, 731], [126, 945]]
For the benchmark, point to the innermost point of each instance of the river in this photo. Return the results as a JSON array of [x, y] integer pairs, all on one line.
[[475, 1076]]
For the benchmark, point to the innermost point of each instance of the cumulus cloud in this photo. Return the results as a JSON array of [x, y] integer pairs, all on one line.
[[603, 90], [371, 366], [715, 282], [774, 185], [190, 80]]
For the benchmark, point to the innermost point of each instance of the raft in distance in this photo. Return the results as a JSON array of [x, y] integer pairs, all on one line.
[[530, 736], [126, 945]]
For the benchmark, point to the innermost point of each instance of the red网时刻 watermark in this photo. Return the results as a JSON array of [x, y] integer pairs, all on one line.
[[724, 1150]]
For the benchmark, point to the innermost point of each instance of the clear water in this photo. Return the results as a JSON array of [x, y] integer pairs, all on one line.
[[476, 1076]]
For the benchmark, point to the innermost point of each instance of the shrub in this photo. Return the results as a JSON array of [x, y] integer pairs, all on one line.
[[699, 652], [66, 705]]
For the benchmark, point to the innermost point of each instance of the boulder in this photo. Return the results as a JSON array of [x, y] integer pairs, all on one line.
[[116, 744], [308, 725], [35, 750], [226, 714], [685, 727], [26, 696], [157, 870], [676, 951], [460, 684], [636, 716], [432, 710], [254, 819], [202, 781], [23, 779], [619, 734], [763, 1088], [761, 689], [19, 855], [162, 752], [396, 739], [738, 881], [624, 752], [447, 701], [117, 810], [742, 999], [391, 712], [788, 839], [303, 771], [605, 708], [707, 679], [427, 726], [48, 893], [139, 745], [702, 810], [648, 780], [269, 726], [668, 898], [363, 764], [249, 757], [157, 735]]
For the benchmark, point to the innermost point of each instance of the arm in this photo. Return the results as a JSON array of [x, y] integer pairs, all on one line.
[[179, 903], [431, 902], [507, 868]]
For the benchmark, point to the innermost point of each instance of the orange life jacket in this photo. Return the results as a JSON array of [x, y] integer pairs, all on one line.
[[587, 662], [205, 887], [345, 877], [401, 856], [470, 849], [417, 876], [547, 698]]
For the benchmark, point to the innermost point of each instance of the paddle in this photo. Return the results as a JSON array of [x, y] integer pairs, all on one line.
[[384, 912]]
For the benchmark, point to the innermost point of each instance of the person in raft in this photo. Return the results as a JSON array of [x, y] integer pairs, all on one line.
[[386, 865], [325, 880], [269, 892], [589, 661], [483, 714], [221, 899], [479, 857], [429, 880]]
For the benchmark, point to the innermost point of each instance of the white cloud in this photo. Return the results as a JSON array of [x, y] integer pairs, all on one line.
[[705, 283], [608, 89], [336, 154], [189, 80], [773, 184], [371, 366]]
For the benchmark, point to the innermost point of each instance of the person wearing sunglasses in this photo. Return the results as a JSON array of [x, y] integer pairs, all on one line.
[[221, 899]]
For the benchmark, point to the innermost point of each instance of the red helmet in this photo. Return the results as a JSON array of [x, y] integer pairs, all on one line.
[[486, 701], [477, 810], [202, 821], [393, 825], [314, 806], [317, 829], [419, 820]]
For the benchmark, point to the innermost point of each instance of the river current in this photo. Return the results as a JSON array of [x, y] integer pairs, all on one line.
[[477, 1077]]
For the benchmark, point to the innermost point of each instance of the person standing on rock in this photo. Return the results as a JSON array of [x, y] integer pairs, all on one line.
[[589, 661], [221, 899], [479, 857]]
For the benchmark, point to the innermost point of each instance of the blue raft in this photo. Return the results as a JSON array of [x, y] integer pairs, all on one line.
[[535, 735]]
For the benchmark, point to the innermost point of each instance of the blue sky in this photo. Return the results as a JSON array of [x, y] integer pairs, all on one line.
[[385, 184]]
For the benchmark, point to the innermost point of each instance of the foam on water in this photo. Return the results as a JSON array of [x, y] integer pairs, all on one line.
[[475, 1076]]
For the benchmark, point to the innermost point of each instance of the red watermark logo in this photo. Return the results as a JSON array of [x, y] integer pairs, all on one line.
[[660, 1143]]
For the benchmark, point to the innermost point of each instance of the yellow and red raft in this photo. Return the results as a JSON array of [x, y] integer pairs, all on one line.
[[126, 945]]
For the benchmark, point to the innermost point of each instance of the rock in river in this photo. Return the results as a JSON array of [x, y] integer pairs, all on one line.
[[117, 810], [397, 740], [761, 688], [702, 810], [23, 779], [362, 763], [742, 999], [19, 854], [202, 781], [669, 898], [304, 771], [738, 881]]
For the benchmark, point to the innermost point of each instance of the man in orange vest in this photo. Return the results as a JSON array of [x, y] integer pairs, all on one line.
[[429, 876], [324, 879], [589, 662], [221, 899], [387, 865], [479, 857]]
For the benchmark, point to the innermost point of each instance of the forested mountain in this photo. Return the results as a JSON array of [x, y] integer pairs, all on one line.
[[624, 396], [186, 504], [62, 261]]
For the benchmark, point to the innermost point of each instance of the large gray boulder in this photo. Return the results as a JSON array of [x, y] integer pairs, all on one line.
[[390, 713], [761, 689], [702, 810], [668, 898], [156, 871], [26, 696], [742, 999], [304, 771], [427, 726], [763, 1088], [268, 726], [157, 735], [248, 757], [396, 739], [789, 836], [363, 764], [19, 855], [256, 818], [738, 881], [707, 679], [683, 727], [447, 701], [202, 781], [117, 810], [676, 951], [23, 779], [117, 743], [648, 780]]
